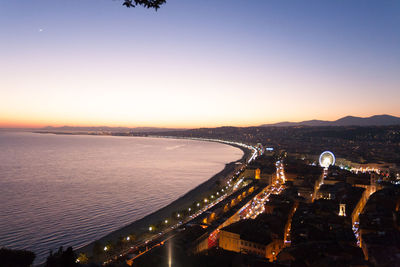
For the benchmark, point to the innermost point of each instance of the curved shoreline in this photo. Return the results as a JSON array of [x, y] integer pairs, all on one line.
[[140, 226]]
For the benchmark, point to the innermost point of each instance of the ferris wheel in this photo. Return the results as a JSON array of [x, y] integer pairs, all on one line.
[[327, 159]]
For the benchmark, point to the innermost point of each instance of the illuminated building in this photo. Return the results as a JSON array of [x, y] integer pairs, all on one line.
[[260, 149], [248, 238], [342, 209], [257, 174]]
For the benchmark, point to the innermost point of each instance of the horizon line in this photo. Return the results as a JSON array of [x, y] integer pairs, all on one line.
[[30, 126]]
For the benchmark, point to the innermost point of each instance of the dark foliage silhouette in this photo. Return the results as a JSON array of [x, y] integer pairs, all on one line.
[[62, 258], [145, 3], [16, 258]]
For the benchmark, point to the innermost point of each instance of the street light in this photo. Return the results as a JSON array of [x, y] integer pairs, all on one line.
[[105, 248], [150, 228]]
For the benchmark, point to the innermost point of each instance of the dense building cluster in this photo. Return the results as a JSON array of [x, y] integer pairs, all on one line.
[[317, 217], [379, 227], [355, 143]]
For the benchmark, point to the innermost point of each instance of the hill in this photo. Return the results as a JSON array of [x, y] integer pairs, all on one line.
[[377, 120]]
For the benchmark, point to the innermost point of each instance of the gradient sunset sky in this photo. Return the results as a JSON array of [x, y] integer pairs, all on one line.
[[197, 63]]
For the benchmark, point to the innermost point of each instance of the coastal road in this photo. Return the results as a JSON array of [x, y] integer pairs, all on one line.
[[140, 249], [158, 240]]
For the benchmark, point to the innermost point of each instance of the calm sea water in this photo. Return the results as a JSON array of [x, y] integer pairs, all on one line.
[[69, 190]]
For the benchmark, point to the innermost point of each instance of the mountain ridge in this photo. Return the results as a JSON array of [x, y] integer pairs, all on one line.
[[375, 120]]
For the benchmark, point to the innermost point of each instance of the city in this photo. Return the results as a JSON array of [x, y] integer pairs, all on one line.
[[184, 133], [280, 209]]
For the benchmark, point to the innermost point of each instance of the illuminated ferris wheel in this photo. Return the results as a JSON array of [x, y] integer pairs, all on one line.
[[327, 159]]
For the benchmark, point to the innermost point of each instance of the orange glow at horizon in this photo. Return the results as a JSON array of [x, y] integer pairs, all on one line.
[[238, 71], [181, 98], [43, 122]]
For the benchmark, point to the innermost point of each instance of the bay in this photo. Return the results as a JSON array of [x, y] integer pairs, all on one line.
[[72, 189]]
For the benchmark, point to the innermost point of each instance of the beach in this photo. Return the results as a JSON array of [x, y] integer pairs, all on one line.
[[140, 227]]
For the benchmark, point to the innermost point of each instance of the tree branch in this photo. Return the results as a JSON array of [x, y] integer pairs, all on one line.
[[145, 3]]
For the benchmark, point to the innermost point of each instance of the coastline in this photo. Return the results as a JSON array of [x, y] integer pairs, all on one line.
[[140, 227]]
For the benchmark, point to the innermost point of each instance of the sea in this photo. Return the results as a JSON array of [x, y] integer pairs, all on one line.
[[68, 190]]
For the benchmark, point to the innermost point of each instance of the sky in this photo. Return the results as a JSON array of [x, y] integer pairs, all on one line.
[[197, 63]]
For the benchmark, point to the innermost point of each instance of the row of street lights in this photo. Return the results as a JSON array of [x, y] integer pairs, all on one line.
[[219, 194], [206, 200]]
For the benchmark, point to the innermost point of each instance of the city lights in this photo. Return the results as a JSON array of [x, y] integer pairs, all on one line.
[[114, 117]]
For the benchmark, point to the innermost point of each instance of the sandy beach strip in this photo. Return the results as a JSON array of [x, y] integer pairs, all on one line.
[[140, 227]]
